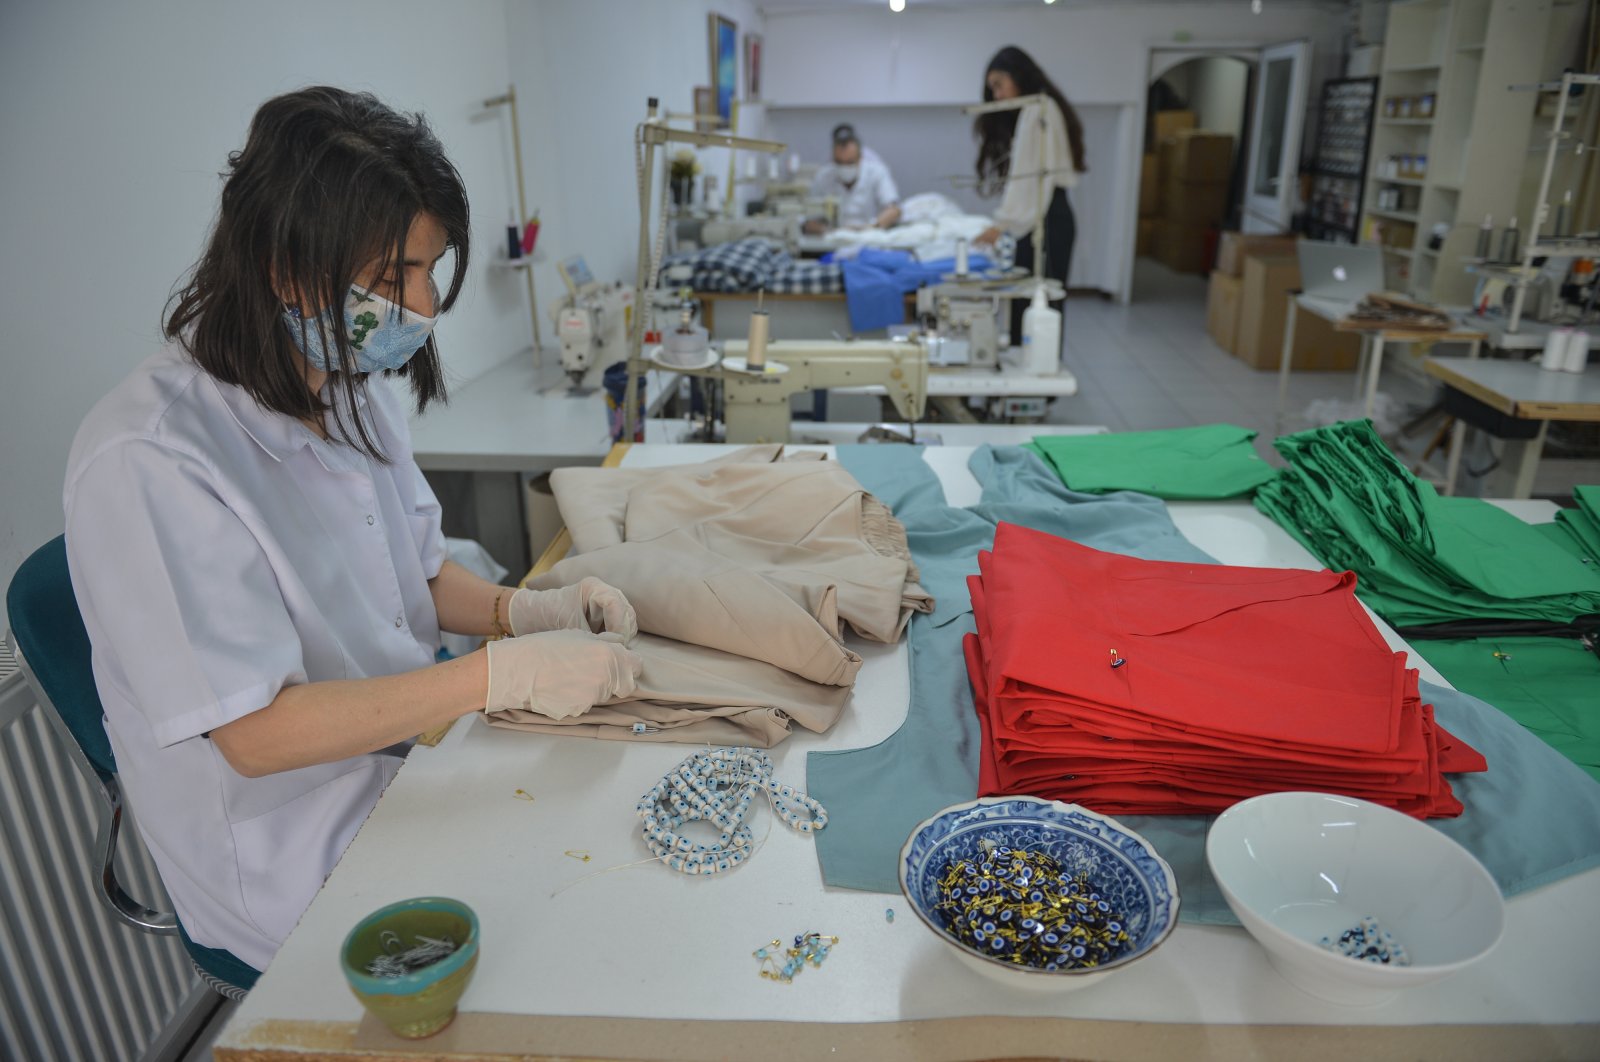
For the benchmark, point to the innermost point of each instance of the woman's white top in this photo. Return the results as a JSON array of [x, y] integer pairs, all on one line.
[[220, 552], [1040, 127]]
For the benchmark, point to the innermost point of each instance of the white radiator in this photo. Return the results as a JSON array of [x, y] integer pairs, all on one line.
[[75, 983]]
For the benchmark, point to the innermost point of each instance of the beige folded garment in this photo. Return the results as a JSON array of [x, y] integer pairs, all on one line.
[[693, 694], [684, 591]]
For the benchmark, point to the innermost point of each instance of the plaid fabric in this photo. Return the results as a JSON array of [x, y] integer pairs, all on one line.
[[751, 265], [742, 265], [806, 278]]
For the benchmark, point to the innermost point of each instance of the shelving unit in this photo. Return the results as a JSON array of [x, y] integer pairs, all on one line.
[[1555, 246], [1343, 152], [1471, 149]]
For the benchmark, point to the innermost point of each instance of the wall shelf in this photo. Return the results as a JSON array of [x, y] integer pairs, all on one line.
[[1405, 121], [1415, 182]]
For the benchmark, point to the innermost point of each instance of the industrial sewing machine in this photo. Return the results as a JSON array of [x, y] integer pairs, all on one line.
[[781, 228], [961, 317], [756, 404], [591, 321]]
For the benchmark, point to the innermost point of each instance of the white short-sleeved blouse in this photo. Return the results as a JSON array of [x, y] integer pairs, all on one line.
[[220, 552]]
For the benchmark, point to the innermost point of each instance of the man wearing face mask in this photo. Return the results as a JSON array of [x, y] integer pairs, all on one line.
[[258, 559], [860, 181]]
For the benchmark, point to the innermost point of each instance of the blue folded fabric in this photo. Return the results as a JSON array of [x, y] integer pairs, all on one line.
[[1533, 818], [876, 282]]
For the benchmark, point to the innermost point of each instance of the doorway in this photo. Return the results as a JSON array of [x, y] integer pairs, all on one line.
[[1181, 210]]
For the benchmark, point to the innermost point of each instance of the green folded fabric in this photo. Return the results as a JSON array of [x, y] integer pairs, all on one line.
[[1549, 685], [1209, 461], [1583, 523], [1420, 558]]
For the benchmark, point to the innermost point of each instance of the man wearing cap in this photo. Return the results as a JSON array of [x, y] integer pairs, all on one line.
[[860, 182]]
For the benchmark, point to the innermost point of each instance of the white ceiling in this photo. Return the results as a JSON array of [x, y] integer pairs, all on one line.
[[781, 7]]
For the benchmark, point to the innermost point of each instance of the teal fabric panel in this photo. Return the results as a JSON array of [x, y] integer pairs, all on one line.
[[1532, 818], [876, 796]]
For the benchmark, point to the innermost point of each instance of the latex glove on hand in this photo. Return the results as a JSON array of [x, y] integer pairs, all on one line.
[[560, 673], [588, 605]]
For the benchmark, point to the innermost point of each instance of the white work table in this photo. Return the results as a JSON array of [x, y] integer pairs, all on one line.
[[518, 417], [644, 962]]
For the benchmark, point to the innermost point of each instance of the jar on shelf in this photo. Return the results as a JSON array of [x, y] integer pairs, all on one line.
[[1425, 104], [1405, 106]]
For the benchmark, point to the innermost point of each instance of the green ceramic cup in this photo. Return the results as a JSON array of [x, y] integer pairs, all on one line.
[[422, 1002]]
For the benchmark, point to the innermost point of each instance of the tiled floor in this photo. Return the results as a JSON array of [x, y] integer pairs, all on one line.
[[1151, 364]]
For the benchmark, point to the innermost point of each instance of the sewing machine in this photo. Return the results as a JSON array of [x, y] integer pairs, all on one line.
[[756, 405], [591, 321], [781, 228], [965, 316]]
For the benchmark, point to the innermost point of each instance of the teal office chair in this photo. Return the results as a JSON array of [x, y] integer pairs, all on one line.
[[52, 646]]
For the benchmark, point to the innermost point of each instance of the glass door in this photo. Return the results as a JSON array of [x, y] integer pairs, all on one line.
[[1282, 81]]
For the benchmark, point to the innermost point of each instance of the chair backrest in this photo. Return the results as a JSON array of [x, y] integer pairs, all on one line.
[[49, 631]]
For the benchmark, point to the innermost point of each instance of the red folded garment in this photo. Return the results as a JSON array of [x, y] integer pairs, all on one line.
[[1153, 687]]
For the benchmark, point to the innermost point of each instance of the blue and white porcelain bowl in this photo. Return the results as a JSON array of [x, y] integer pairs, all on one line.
[[1123, 866]]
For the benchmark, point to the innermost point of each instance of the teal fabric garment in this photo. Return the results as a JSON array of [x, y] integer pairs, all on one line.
[[1533, 818], [876, 796], [1549, 685], [1419, 558], [1208, 461]]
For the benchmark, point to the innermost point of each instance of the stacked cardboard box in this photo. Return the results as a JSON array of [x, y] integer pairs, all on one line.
[[1248, 303], [1195, 166], [1164, 124]]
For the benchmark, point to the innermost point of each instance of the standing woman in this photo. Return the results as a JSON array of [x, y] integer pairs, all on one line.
[[256, 556], [1011, 147]]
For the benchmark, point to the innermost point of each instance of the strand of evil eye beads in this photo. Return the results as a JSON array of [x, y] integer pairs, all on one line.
[[1369, 942], [1021, 907], [719, 786]]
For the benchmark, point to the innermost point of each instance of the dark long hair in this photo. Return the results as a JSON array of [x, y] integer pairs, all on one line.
[[995, 131], [329, 181]]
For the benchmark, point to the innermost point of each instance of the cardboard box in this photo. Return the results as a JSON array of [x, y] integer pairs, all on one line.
[[1222, 310], [1169, 123], [1263, 308], [1235, 247], [1318, 347], [1196, 155], [1150, 187], [1181, 247], [1145, 245], [1195, 202], [1263, 313]]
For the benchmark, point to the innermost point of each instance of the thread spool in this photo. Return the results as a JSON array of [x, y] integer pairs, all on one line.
[[961, 258], [1576, 352], [1486, 238], [756, 352], [1509, 241], [1554, 357]]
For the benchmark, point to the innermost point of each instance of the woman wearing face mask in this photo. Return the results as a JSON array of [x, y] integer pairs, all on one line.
[[1032, 155], [256, 556]]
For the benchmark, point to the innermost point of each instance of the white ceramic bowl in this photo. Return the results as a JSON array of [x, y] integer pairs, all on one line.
[[1296, 867]]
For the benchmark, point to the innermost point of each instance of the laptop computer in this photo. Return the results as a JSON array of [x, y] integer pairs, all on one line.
[[1339, 272]]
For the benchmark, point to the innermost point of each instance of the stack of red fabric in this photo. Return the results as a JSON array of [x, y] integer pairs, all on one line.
[[1151, 687]]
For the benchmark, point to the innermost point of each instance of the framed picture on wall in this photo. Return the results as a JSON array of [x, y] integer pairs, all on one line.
[[705, 109], [724, 64], [752, 66]]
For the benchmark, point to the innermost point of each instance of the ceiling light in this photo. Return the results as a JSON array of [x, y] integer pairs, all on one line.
[[897, 6]]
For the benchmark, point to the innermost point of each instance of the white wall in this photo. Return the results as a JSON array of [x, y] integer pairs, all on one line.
[[1095, 53], [584, 71], [116, 120]]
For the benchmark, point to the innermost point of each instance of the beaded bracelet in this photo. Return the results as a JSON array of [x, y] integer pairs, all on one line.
[[718, 786]]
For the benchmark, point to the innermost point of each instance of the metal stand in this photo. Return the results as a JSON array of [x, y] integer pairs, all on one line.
[[650, 134], [510, 98], [1558, 248]]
